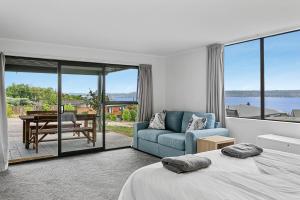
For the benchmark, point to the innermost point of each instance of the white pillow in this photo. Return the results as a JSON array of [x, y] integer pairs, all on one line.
[[158, 121], [196, 123]]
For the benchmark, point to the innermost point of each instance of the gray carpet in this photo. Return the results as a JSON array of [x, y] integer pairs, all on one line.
[[96, 176]]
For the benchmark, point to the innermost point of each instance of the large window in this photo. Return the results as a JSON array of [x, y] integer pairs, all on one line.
[[242, 80], [262, 78]]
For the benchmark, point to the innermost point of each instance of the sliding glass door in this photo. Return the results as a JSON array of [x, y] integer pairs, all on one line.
[[98, 106], [58, 108], [80, 110], [31, 94]]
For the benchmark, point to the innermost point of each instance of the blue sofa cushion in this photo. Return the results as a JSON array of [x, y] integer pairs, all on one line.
[[173, 140], [211, 119], [174, 120], [151, 134]]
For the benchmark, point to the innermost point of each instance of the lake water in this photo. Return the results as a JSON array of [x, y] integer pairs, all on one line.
[[281, 104], [123, 99], [277, 103]]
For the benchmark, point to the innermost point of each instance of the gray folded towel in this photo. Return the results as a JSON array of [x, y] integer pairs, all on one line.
[[185, 163], [243, 150]]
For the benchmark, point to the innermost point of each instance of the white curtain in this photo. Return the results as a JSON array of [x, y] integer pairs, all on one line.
[[145, 93], [215, 82], [3, 119]]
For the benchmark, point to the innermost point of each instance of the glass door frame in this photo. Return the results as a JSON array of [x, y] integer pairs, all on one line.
[[83, 64], [103, 103], [59, 108]]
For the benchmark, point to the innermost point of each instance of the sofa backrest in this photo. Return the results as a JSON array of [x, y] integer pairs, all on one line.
[[211, 119], [174, 120]]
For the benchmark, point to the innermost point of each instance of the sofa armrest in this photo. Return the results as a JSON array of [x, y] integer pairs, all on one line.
[[136, 127], [218, 125], [191, 137]]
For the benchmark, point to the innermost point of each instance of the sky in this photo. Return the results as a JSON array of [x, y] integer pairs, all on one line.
[[282, 64], [117, 82]]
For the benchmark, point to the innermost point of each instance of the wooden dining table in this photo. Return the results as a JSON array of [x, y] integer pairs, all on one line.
[[27, 119]]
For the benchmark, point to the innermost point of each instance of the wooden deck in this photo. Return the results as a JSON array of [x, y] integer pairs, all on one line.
[[18, 152]]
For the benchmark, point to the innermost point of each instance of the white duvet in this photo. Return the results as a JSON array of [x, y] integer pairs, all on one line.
[[272, 175]]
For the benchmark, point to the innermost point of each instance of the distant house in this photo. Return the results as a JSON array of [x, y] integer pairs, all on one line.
[[115, 109], [248, 111]]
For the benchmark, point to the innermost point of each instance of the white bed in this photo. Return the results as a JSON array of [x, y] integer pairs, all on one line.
[[272, 175]]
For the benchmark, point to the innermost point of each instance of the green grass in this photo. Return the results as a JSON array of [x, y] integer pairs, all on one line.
[[121, 129]]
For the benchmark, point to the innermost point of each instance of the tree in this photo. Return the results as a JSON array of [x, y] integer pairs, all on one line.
[[93, 101], [37, 94], [126, 115], [18, 91]]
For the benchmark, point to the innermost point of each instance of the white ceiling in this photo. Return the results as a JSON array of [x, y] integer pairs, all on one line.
[[159, 27]]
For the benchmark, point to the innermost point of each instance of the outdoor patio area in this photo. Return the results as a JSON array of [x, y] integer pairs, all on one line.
[[18, 152]]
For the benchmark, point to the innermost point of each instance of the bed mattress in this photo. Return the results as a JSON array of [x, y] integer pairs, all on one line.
[[271, 175]]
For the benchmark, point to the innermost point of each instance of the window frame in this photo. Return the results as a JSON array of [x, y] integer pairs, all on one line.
[[122, 102], [107, 103], [262, 75]]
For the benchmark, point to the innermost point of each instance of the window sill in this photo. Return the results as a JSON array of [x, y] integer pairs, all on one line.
[[272, 120]]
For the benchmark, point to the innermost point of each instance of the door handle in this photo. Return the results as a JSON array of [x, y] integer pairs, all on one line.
[[62, 109]]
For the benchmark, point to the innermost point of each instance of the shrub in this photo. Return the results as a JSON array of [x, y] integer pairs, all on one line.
[[107, 116], [46, 107], [13, 101], [133, 115], [9, 111], [113, 117], [18, 101], [126, 115], [28, 108], [69, 107], [24, 102]]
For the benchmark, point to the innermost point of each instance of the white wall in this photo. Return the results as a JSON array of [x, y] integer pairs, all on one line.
[[186, 81], [186, 90], [54, 51], [246, 130]]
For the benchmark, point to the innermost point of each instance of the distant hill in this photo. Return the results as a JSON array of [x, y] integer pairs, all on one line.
[[125, 96], [115, 96], [268, 93]]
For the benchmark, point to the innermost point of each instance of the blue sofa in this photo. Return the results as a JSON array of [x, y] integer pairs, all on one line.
[[174, 141]]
